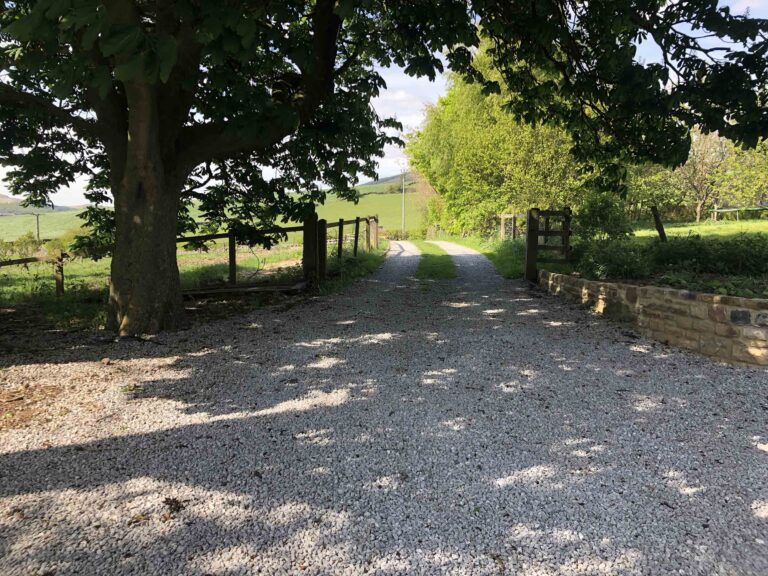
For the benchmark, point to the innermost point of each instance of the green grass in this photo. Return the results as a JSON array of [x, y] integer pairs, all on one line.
[[344, 272], [508, 257], [52, 224], [387, 206], [706, 228], [435, 263]]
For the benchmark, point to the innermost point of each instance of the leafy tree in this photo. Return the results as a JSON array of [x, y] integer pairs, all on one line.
[[707, 154], [654, 185], [162, 102], [483, 162], [742, 179]]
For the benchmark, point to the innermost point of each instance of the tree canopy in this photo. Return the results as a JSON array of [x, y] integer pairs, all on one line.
[[483, 162], [248, 106]]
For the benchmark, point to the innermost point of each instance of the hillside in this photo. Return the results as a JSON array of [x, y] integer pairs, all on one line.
[[11, 206], [389, 185]]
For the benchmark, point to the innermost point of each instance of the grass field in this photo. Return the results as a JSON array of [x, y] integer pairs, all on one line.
[[387, 206], [52, 224], [707, 228]]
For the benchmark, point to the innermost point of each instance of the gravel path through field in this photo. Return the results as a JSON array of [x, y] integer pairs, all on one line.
[[467, 427]]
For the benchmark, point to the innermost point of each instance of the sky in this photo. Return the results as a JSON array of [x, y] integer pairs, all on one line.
[[406, 99]]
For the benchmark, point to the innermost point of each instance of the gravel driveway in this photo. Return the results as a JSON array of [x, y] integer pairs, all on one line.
[[400, 427]]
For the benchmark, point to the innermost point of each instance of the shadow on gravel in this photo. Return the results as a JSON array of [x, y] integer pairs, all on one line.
[[459, 451]]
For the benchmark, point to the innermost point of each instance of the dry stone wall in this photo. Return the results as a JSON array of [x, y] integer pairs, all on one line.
[[725, 327]]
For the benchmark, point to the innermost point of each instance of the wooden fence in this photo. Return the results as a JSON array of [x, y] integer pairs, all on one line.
[[516, 220], [542, 226], [314, 260], [58, 267]]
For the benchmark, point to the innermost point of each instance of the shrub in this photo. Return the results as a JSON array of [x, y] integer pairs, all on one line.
[[612, 259], [26, 246], [745, 254], [602, 216]]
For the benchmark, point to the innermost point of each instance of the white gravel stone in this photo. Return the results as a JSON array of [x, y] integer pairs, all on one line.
[[471, 427]]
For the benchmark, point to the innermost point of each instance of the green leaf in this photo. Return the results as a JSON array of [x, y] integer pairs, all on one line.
[[345, 8], [126, 40], [167, 54], [23, 28], [102, 81], [131, 69]]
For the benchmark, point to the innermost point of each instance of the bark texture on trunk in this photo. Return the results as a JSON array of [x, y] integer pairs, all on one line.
[[145, 295], [659, 224]]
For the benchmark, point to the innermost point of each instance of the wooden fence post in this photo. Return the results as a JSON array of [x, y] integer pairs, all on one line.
[[232, 258], [503, 232], [567, 217], [322, 248], [367, 233], [310, 251], [357, 234], [531, 245], [58, 273], [341, 238], [376, 233], [514, 228]]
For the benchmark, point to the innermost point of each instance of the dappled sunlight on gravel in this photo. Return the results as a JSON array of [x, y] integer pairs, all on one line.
[[464, 427]]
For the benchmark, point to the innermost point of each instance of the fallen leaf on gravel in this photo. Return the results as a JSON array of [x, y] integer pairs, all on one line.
[[174, 505], [137, 519]]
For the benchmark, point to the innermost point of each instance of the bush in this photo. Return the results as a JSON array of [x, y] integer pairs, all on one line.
[[26, 246], [742, 255], [612, 259], [602, 216]]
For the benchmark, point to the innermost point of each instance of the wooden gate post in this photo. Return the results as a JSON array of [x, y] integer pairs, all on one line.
[[531, 245], [514, 228], [310, 251], [567, 217], [322, 248], [503, 232], [367, 233], [58, 273], [357, 234], [376, 231], [341, 238], [232, 258]]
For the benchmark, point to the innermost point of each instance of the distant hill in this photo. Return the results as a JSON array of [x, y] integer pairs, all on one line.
[[389, 185], [11, 206]]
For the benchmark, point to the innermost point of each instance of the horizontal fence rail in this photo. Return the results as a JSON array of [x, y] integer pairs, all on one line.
[[314, 260]]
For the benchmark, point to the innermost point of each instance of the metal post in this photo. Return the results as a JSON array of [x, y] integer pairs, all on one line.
[[402, 225]]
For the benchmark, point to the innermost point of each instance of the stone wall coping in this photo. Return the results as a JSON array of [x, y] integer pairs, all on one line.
[[666, 291]]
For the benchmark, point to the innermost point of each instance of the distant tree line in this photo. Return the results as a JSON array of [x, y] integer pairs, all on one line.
[[483, 161]]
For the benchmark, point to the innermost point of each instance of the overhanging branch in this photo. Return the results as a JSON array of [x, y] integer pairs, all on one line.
[[31, 102]]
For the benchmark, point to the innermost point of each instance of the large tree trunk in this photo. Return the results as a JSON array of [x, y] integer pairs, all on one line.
[[145, 295], [699, 210]]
